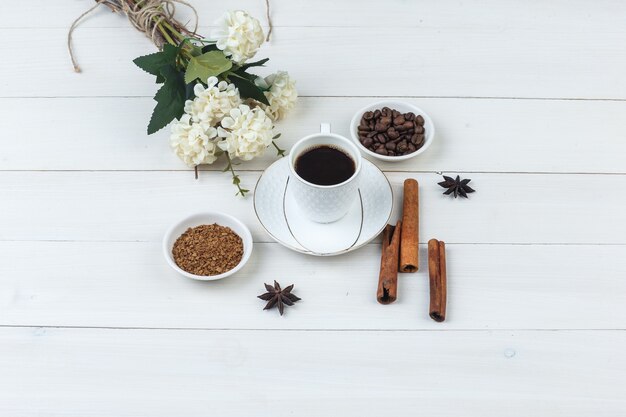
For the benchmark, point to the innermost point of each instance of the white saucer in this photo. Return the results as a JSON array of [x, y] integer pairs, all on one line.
[[277, 210]]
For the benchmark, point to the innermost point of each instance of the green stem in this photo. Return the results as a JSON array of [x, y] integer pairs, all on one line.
[[281, 152], [172, 30], [236, 180], [166, 35]]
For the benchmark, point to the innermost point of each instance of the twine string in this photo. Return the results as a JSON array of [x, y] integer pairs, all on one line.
[[69, 34], [269, 20], [145, 16]]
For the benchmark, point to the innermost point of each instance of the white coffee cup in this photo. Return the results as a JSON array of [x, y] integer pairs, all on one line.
[[325, 203]]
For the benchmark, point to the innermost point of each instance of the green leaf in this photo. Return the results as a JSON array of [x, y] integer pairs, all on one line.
[[153, 63], [248, 89], [207, 65], [172, 75], [189, 93], [210, 47], [252, 78], [170, 100], [241, 73], [196, 50], [259, 63]]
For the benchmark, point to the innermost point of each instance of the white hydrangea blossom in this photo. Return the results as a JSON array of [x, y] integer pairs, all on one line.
[[282, 95], [212, 103], [247, 132], [239, 35], [193, 143]]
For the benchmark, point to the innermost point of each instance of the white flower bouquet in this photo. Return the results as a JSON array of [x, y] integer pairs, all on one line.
[[219, 109]]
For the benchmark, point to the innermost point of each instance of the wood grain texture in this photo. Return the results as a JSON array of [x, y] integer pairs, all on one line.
[[129, 206], [476, 15], [472, 134], [70, 372], [528, 99], [457, 62], [128, 284]]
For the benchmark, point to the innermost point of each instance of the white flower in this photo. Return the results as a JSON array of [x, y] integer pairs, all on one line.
[[247, 133], [238, 34], [193, 143], [282, 95], [213, 102]]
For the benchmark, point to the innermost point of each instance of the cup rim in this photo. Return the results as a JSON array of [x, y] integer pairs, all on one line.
[[355, 151]]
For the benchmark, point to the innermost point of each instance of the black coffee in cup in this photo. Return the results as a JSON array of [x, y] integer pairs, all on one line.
[[324, 165]]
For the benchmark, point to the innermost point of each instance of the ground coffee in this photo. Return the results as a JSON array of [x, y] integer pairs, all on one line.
[[208, 250]]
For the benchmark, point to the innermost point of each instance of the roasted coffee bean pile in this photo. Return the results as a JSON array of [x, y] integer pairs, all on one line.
[[389, 132]]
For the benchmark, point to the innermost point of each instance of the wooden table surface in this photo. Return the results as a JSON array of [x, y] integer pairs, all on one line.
[[529, 100]]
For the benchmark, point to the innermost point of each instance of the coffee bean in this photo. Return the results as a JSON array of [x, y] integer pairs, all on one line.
[[392, 133], [412, 147], [420, 139], [381, 151], [409, 116], [371, 134], [390, 146], [379, 127], [376, 114], [381, 138], [402, 146], [420, 120], [391, 153], [368, 115], [419, 129], [398, 121], [414, 139], [367, 142]]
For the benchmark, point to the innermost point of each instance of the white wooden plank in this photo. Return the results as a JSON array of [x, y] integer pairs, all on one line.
[[495, 14], [472, 134], [78, 372], [342, 61], [119, 284], [507, 208]]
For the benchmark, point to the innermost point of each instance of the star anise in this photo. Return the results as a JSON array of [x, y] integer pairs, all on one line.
[[277, 297], [456, 186]]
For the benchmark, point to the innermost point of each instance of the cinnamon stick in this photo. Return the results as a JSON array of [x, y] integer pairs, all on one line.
[[438, 279], [388, 278], [409, 244]]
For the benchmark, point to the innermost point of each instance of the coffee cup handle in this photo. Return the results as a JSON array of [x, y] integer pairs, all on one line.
[[324, 127]]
